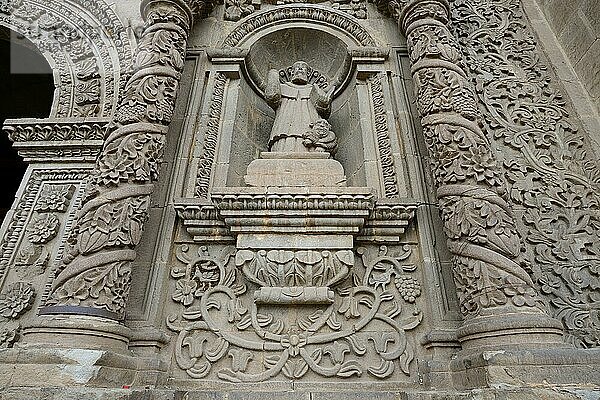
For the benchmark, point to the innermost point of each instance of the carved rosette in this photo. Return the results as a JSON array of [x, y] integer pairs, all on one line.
[[478, 220], [95, 276]]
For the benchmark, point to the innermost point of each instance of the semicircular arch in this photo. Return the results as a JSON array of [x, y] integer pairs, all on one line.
[[255, 26], [86, 45]]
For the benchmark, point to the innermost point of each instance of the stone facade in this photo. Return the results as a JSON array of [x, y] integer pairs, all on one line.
[[282, 199]]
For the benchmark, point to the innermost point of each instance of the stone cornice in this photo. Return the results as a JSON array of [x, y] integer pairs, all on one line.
[[62, 140]]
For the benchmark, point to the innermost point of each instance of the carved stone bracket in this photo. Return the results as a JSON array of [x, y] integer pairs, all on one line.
[[294, 243]]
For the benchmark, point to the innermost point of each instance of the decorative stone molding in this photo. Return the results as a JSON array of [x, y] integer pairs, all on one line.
[[306, 12], [479, 222], [211, 137], [96, 272], [386, 158], [43, 140], [388, 222], [86, 44]]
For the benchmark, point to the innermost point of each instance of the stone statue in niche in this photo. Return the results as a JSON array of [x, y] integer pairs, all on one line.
[[301, 112], [302, 143]]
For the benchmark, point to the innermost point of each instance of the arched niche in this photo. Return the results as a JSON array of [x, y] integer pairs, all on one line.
[[86, 45], [333, 45]]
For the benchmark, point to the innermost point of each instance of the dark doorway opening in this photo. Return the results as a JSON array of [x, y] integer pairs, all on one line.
[[26, 91]]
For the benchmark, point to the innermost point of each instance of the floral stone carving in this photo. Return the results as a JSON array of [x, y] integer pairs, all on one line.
[[16, 299], [553, 176], [362, 332]]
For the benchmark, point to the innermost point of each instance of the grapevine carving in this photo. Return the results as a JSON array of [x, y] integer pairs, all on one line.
[[553, 176], [361, 331], [478, 220], [95, 273]]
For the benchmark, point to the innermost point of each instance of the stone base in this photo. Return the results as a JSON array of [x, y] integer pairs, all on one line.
[[547, 393], [537, 368], [76, 331], [68, 373], [295, 170]]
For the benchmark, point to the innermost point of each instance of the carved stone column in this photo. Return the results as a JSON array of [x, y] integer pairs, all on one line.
[[497, 296], [94, 278]]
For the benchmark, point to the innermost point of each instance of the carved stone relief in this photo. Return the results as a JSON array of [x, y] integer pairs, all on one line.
[[300, 11], [211, 137], [386, 159], [553, 176], [87, 52], [31, 243], [238, 9], [228, 328]]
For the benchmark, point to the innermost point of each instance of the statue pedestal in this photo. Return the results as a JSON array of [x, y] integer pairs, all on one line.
[[294, 243], [314, 169]]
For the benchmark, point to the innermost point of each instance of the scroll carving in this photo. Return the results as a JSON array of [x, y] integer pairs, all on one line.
[[222, 331]]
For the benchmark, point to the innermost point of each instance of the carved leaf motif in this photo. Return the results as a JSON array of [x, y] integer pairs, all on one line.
[[295, 368], [337, 352], [16, 299], [385, 369], [240, 359], [350, 368]]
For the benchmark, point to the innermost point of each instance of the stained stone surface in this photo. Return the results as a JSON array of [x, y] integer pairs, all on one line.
[[305, 200]]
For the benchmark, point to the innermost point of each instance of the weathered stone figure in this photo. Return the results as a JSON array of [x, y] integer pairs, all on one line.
[[297, 104]]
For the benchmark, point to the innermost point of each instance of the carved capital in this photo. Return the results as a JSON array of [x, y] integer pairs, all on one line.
[[411, 12], [187, 11]]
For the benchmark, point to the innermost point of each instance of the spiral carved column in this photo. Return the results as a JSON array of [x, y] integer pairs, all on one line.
[[497, 296], [94, 278]]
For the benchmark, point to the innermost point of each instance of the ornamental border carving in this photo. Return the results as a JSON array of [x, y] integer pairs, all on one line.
[[388, 169], [23, 210], [304, 12], [211, 137], [86, 44]]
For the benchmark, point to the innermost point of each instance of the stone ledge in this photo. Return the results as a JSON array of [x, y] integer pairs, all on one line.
[[528, 368], [52, 393]]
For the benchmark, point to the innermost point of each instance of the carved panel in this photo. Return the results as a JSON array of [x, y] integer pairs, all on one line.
[[228, 329], [31, 243], [553, 176]]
